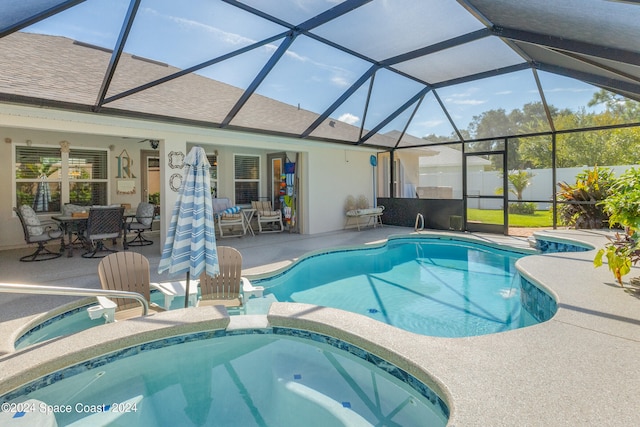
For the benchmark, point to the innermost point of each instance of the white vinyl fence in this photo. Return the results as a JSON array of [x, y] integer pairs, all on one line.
[[486, 183]]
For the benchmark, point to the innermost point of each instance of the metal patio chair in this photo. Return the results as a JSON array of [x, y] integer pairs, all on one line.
[[142, 222], [104, 222], [40, 233]]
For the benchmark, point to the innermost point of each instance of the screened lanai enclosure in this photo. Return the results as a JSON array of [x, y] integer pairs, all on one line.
[[478, 108]]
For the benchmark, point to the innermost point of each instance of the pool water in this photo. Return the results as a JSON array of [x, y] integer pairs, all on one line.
[[427, 286], [430, 286], [73, 321], [76, 320], [256, 379]]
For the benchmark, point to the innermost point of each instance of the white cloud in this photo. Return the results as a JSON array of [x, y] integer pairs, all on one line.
[[296, 56], [504, 92], [569, 89], [225, 36], [338, 76], [466, 101], [432, 123], [349, 118], [429, 123], [340, 81], [464, 98]]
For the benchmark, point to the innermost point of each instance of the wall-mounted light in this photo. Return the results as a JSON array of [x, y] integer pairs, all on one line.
[[112, 147], [29, 142], [7, 140]]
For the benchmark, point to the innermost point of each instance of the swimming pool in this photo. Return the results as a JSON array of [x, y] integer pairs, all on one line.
[[277, 376], [431, 286]]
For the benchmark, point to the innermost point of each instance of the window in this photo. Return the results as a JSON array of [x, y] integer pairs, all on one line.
[[38, 178], [46, 177], [88, 177], [246, 178]]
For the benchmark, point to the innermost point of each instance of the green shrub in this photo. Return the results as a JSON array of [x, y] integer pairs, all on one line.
[[582, 208], [623, 202], [522, 208]]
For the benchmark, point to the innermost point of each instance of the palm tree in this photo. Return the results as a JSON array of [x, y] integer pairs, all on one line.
[[519, 180]]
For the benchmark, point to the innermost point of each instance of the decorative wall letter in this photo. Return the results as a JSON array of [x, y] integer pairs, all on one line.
[[124, 165]]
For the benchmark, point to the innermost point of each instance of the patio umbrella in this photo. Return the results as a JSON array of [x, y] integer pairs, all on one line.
[[43, 196], [190, 246]]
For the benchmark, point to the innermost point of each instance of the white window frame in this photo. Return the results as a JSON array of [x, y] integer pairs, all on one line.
[[89, 180], [64, 180], [236, 180]]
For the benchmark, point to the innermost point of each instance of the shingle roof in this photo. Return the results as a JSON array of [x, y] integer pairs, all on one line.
[[39, 72], [426, 46]]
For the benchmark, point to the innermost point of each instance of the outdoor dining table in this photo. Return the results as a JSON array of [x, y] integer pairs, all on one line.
[[78, 224], [72, 224]]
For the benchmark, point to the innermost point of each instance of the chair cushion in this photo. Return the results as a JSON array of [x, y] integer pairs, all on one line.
[[220, 204], [370, 211], [31, 220], [44, 237], [232, 210], [269, 213], [229, 216], [137, 226]]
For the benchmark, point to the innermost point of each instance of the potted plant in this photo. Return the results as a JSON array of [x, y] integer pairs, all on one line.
[[622, 251], [623, 207]]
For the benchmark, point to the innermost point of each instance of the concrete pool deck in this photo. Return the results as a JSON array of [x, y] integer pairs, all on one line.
[[579, 368]]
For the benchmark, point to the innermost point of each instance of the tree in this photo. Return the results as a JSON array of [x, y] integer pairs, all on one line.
[[436, 138], [519, 181], [531, 118], [624, 110], [604, 147]]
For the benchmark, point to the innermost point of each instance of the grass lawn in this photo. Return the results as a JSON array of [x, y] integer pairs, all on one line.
[[538, 219]]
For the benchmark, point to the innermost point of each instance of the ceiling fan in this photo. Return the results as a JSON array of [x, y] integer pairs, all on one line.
[[154, 143]]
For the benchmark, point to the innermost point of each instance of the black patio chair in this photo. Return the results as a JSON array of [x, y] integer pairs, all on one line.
[[142, 222], [40, 233], [104, 222]]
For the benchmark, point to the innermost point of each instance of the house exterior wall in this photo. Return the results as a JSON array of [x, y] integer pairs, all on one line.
[[328, 172], [334, 174]]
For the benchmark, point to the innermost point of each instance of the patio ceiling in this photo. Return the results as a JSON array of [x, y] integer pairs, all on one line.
[[376, 72]]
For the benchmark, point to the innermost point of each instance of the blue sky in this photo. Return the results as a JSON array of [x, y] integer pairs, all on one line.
[[311, 74]]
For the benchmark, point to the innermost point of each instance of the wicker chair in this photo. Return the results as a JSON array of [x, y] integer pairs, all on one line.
[[266, 215], [40, 233], [229, 217], [103, 223]]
